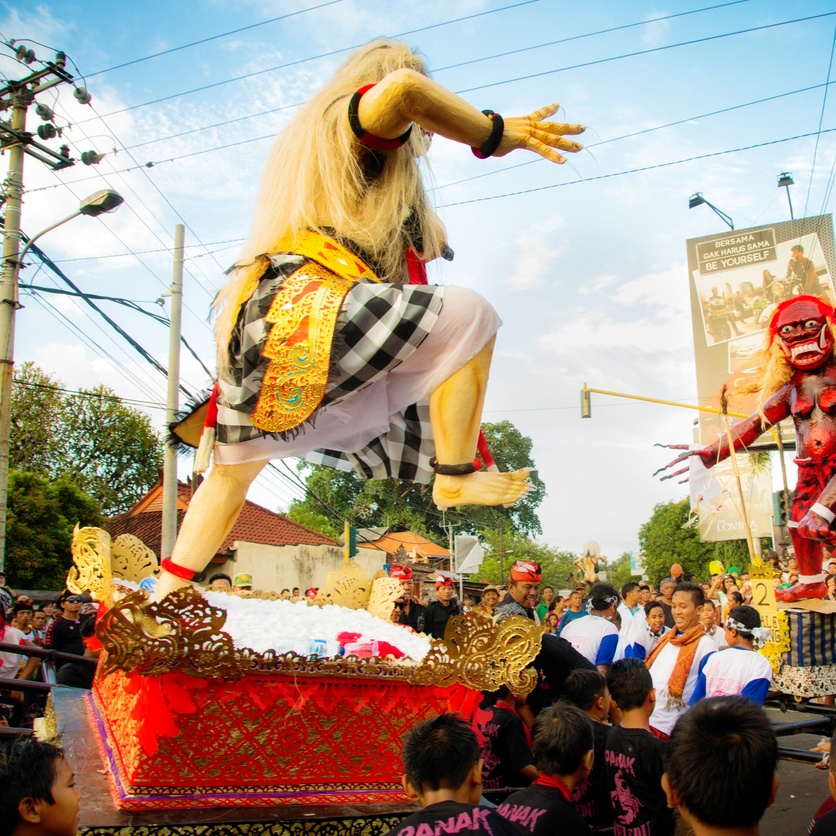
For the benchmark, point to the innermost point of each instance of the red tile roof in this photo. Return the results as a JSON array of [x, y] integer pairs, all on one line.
[[254, 525], [410, 542]]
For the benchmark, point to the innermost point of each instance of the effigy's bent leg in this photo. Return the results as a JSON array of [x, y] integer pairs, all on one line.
[[211, 515], [455, 416]]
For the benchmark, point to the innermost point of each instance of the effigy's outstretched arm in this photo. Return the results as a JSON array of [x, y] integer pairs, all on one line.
[[406, 96], [743, 433]]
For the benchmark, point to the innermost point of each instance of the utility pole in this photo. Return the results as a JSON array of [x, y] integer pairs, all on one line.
[[169, 525], [18, 95]]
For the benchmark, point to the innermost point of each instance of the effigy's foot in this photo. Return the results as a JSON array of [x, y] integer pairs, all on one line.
[[800, 591], [481, 488]]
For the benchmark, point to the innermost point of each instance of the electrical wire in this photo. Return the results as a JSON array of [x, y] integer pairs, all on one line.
[[821, 121], [214, 38]]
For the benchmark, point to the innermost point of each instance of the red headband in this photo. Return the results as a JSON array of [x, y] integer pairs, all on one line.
[[526, 570], [443, 582], [400, 572], [825, 309]]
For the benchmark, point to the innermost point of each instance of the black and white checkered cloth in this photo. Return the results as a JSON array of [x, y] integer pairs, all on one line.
[[378, 327]]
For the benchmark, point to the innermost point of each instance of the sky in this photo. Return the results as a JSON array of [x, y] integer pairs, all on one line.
[[586, 262]]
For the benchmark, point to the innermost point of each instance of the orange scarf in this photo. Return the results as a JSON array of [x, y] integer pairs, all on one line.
[[687, 644]]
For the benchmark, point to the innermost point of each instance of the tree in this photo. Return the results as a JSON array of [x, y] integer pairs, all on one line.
[[333, 496], [41, 516], [666, 538], [109, 450], [619, 571]]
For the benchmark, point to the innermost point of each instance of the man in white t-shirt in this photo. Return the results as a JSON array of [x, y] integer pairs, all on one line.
[[596, 637], [677, 661], [630, 606]]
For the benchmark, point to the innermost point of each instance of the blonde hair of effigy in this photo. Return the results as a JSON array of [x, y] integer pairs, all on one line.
[[314, 179]]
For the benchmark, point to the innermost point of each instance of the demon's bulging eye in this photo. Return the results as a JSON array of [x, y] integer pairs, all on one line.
[[786, 330], [811, 323]]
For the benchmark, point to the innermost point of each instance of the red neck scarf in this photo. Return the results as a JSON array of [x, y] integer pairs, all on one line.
[[553, 781], [508, 707]]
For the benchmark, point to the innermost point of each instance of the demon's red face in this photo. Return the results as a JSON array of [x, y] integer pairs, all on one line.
[[804, 334]]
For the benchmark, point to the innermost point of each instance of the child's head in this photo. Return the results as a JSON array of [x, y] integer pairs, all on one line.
[[37, 791], [562, 741], [442, 753], [720, 763], [741, 623], [630, 685], [588, 691]]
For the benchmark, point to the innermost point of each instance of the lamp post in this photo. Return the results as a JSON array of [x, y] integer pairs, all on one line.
[[697, 199], [96, 204], [784, 182]]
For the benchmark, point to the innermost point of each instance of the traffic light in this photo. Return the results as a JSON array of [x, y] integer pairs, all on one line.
[[779, 509], [586, 403], [350, 541]]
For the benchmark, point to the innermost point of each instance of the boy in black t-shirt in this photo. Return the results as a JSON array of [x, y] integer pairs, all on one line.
[[588, 691], [633, 757], [443, 771], [720, 766], [506, 750], [563, 752]]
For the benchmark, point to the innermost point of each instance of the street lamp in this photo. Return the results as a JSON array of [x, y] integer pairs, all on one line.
[[697, 199], [96, 204], [785, 181]]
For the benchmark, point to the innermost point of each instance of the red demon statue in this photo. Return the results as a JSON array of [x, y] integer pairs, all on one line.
[[798, 380]]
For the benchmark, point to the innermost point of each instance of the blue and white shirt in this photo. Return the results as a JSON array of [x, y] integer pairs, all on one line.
[[735, 671], [593, 637], [636, 640]]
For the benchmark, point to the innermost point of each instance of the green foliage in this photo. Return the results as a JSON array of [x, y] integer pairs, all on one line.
[[41, 516], [109, 450], [664, 541], [619, 571], [333, 496], [502, 548]]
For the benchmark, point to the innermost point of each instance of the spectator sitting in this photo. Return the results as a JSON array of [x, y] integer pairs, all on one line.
[[677, 661], [506, 752], [633, 756], [37, 791], [588, 691], [745, 672], [638, 638], [720, 766], [563, 750], [596, 637], [525, 576], [220, 582], [443, 772], [573, 611], [64, 635]]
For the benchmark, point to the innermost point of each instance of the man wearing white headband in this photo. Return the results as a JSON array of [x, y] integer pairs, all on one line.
[[738, 670]]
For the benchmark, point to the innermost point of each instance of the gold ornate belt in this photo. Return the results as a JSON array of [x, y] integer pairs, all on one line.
[[304, 316]]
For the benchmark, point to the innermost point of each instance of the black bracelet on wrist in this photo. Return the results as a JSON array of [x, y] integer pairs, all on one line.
[[492, 142]]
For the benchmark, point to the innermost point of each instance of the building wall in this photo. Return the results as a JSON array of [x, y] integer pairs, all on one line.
[[278, 567]]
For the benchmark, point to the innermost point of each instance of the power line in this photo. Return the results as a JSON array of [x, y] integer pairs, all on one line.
[[213, 38], [821, 120], [313, 58], [639, 169], [88, 394], [650, 51]]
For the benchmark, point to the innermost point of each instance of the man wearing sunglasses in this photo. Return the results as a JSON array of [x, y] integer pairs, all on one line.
[[65, 635]]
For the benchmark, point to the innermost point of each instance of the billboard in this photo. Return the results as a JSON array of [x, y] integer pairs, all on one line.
[[736, 280]]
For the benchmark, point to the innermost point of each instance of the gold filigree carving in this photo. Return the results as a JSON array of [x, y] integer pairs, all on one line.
[[349, 586], [182, 632], [483, 655], [131, 559], [91, 558], [303, 315], [761, 576], [385, 591]]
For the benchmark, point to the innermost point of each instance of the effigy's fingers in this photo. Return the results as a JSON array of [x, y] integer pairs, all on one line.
[[672, 475]]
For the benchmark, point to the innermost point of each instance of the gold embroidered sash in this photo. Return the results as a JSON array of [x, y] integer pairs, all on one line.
[[304, 316]]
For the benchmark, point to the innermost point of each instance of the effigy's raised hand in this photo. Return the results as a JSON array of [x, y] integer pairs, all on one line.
[[532, 133]]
